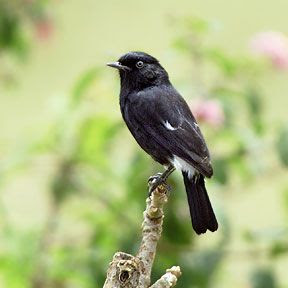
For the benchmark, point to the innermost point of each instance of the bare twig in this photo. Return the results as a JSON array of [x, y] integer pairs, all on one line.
[[169, 279], [135, 271]]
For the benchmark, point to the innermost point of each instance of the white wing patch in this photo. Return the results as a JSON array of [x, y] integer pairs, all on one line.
[[182, 165], [169, 126]]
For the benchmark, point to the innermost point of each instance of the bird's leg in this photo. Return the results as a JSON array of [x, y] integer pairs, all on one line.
[[159, 178], [168, 172], [164, 176]]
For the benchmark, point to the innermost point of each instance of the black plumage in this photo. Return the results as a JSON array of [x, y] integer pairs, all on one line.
[[163, 125]]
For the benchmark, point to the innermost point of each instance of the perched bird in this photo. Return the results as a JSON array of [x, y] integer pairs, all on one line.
[[163, 125]]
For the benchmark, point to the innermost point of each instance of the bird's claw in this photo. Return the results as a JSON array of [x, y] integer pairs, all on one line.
[[154, 177], [154, 181]]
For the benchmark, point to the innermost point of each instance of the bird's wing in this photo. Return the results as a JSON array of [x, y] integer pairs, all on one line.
[[165, 116]]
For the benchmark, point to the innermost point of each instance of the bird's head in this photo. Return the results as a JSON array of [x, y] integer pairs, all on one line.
[[139, 70]]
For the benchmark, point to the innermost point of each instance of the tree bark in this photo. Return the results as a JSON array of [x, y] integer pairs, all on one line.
[[130, 271]]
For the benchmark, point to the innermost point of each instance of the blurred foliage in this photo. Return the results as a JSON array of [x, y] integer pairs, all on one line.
[[282, 145], [99, 182], [263, 278], [17, 17]]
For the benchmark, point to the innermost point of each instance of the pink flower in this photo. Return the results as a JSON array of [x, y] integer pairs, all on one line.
[[44, 29], [208, 111], [274, 46]]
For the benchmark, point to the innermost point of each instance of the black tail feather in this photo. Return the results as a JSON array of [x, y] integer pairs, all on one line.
[[201, 211]]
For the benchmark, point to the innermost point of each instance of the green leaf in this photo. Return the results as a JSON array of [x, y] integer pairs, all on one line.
[[282, 146], [176, 229], [11, 34], [83, 84], [249, 236], [254, 103], [263, 278], [62, 184], [197, 25], [278, 248], [220, 165], [95, 135], [227, 64], [182, 45], [201, 267], [17, 258], [137, 175]]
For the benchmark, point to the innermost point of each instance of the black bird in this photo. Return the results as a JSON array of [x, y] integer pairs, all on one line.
[[163, 125]]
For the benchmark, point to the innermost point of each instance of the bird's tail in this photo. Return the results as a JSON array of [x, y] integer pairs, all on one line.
[[201, 211]]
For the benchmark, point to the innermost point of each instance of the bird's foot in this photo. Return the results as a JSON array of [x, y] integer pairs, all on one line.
[[155, 181], [154, 177]]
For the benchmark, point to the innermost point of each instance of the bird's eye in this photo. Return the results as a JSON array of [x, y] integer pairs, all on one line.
[[139, 64]]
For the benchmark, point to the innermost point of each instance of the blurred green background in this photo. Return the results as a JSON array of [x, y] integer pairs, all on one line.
[[73, 180]]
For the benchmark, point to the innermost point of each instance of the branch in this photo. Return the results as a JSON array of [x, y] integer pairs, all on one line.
[[130, 271], [169, 279]]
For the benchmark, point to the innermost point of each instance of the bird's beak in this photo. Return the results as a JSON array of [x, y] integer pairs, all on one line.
[[118, 66]]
